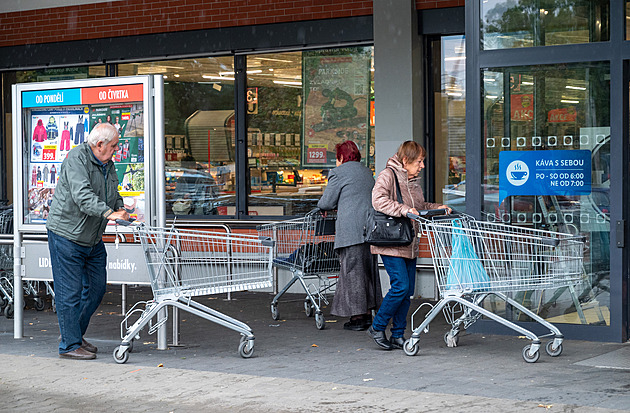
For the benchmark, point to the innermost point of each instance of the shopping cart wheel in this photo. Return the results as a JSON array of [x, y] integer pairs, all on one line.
[[40, 304], [530, 358], [275, 314], [454, 338], [8, 311], [320, 323], [409, 349], [245, 349], [551, 351], [308, 308], [123, 359]]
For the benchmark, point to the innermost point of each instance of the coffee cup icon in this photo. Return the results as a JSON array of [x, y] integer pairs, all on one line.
[[518, 175]]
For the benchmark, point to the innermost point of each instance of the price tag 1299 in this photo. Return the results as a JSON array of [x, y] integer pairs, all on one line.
[[316, 155]]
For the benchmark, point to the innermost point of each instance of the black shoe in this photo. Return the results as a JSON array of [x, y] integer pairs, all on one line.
[[355, 325], [397, 342], [380, 338]]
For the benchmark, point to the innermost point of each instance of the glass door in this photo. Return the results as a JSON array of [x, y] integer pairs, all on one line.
[[558, 114]]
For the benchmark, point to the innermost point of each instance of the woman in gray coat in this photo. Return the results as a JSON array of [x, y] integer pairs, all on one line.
[[349, 190]]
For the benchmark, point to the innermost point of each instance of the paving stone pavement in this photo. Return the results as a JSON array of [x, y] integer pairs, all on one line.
[[297, 368]]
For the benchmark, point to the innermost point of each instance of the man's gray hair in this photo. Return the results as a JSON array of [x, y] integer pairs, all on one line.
[[102, 132]]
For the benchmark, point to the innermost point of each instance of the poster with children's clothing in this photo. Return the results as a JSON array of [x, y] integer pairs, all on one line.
[[54, 133]]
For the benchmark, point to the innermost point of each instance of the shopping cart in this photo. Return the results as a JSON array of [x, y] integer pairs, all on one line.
[[30, 288], [475, 259], [6, 263], [183, 264], [306, 247]]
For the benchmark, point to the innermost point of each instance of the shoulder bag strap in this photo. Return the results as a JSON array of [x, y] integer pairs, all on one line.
[[398, 193]]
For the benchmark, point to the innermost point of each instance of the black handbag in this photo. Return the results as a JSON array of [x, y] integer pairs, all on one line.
[[387, 231]]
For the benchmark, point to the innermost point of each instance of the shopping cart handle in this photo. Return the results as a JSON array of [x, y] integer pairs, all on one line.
[[550, 241], [267, 241], [124, 222], [427, 213]]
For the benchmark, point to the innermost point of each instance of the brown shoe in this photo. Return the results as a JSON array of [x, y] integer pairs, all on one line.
[[78, 354], [89, 347]]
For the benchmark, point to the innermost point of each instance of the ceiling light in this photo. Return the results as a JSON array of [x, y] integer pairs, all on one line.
[[273, 60], [217, 77], [176, 75], [575, 87], [286, 82], [251, 72], [569, 101], [455, 58], [226, 73]]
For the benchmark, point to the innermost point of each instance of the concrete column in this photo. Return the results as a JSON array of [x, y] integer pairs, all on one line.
[[398, 85]]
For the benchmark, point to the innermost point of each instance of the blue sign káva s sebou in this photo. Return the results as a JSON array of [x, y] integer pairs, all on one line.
[[550, 172]]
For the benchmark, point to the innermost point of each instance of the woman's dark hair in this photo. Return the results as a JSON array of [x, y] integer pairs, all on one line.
[[347, 151], [410, 151]]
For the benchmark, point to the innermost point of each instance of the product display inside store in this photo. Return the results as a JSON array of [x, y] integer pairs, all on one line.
[[299, 106]]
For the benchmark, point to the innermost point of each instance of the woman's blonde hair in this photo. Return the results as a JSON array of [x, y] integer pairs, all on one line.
[[409, 151]]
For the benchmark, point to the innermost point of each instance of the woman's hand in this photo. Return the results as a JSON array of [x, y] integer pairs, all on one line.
[[447, 208], [413, 211]]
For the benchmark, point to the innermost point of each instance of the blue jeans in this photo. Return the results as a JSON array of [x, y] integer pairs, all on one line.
[[395, 305], [80, 277]]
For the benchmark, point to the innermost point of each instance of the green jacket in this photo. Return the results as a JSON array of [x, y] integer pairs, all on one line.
[[86, 194]]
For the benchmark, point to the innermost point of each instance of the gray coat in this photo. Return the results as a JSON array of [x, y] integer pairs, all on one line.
[[349, 190]]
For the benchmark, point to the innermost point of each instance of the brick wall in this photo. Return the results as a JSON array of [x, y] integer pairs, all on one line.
[[438, 4], [127, 18]]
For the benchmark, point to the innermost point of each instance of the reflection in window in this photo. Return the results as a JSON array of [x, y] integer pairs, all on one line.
[[449, 78], [300, 105], [522, 23], [546, 108], [199, 133]]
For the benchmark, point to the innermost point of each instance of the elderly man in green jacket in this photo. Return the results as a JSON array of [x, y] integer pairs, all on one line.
[[85, 198]]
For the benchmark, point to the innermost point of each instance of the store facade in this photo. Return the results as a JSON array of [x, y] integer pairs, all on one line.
[[256, 96]]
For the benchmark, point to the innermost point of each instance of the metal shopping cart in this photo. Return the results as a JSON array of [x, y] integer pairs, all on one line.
[[6, 263], [305, 246], [183, 264], [475, 259]]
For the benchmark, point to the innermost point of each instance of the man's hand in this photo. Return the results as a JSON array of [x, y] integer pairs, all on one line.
[[120, 214]]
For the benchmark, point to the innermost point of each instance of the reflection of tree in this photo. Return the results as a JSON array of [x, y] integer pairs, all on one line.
[[537, 18]]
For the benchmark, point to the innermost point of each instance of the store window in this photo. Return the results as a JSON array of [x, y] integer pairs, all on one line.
[[508, 24], [556, 118], [626, 20], [199, 133], [448, 59], [300, 105]]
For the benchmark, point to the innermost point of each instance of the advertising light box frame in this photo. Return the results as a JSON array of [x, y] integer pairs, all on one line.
[[66, 98]]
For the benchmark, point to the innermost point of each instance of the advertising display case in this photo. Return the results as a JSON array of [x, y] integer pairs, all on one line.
[[53, 118]]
